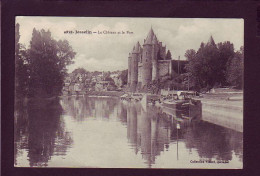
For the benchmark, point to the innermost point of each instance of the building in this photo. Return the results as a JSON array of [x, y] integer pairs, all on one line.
[[147, 63], [74, 84]]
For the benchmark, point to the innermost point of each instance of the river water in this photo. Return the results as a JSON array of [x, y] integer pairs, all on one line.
[[109, 133]]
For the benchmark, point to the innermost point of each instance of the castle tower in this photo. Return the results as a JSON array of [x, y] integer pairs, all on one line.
[[147, 59], [129, 70], [163, 54], [155, 48], [140, 65], [134, 66]]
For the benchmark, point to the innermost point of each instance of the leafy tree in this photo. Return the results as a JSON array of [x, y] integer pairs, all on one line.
[[168, 55], [226, 51], [17, 38], [123, 76], [65, 55], [202, 66], [208, 66], [17, 51], [235, 69], [21, 66], [48, 61], [80, 70], [190, 54]]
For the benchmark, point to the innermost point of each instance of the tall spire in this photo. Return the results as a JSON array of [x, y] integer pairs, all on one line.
[[149, 37], [154, 41]]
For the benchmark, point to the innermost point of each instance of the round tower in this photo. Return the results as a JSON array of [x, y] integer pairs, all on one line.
[[134, 67], [129, 70], [147, 59], [155, 69]]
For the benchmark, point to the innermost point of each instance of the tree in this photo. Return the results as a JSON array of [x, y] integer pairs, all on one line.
[[17, 52], [208, 66], [203, 65], [48, 61], [168, 55], [226, 51], [190, 54], [123, 76], [80, 70], [65, 55], [21, 66], [235, 69]]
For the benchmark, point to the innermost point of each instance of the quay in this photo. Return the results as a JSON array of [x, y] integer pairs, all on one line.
[[223, 109]]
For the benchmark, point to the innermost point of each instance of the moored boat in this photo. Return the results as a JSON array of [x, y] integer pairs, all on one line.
[[174, 104]]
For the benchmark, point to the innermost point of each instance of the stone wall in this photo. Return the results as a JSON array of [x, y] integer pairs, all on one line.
[[139, 74], [164, 66]]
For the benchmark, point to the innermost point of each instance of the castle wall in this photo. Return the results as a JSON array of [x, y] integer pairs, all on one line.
[[139, 74], [163, 53], [164, 67]]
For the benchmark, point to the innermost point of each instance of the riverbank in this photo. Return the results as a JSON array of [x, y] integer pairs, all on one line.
[[224, 109], [98, 94], [229, 99]]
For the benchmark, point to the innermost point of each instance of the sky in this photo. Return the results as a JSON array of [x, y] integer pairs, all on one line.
[[109, 52]]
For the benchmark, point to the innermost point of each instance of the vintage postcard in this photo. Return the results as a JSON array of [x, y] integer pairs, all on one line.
[[103, 92]]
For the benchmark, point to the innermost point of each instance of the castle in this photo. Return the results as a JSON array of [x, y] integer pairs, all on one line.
[[148, 64]]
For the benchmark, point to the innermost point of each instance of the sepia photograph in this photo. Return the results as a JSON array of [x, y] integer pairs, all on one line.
[[121, 92]]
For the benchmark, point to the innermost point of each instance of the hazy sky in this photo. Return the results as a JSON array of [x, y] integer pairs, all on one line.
[[109, 52]]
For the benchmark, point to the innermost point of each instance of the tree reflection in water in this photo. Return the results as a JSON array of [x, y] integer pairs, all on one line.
[[40, 129], [88, 107], [212, 141], [150, 132]]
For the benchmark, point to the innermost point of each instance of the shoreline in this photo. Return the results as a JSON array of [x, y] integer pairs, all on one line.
[[97, 94]]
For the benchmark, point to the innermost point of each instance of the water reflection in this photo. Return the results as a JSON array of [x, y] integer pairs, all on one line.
[[151, 133], [40, 131], [213, 141]]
